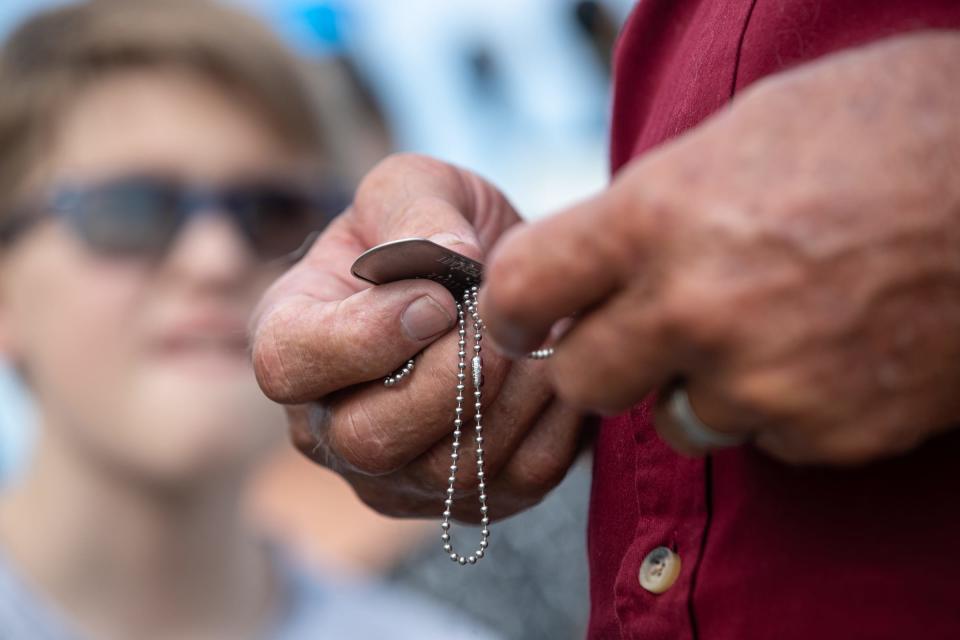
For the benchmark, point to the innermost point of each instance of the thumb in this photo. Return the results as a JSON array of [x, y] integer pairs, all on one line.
[[304, 348]]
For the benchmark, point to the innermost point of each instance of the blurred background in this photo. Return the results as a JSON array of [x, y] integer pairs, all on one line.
[[516, 90]]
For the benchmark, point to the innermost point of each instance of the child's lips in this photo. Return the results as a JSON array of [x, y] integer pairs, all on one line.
[[205, 339]]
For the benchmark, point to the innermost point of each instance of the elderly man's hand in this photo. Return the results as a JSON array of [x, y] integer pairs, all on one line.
[[323, 341], [795, 262]]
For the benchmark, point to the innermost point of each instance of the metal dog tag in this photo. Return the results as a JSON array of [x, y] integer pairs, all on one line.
[[418, 258]]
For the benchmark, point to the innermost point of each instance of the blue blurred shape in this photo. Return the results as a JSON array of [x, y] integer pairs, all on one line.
[[314, 28], [324, 21], [17, 424], [13, 12]]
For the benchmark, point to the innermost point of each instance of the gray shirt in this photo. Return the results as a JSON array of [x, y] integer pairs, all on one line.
[[533, 584], [315, 610]]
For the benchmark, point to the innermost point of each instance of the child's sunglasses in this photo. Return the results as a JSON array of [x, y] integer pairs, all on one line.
[[141, 216]]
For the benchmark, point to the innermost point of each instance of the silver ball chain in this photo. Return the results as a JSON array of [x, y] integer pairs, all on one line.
[[476, 368], [468, 306], [399, 375]]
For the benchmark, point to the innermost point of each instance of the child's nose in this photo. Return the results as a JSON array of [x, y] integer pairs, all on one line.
[[211, 249]]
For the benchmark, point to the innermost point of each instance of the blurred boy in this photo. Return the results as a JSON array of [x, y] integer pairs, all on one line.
[[160, 162]]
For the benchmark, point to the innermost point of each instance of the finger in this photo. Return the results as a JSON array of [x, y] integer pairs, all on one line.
[[379, 431], [711, 420], [616, 355], [868, 436], [670, 430], [408, 196], [542, 272], [418, 489], [304, 348], [508, 419], [539, 463]]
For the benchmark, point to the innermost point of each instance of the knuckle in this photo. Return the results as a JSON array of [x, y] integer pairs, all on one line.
[[641, 199], [406, 160], [390, 168], [688, 314], [387, 165], [751, 392]]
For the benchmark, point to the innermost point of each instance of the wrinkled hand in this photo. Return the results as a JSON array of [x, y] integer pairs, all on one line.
[[795, 262], [323, 341]]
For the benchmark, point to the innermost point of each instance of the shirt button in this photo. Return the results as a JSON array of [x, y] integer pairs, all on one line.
[[660, 569]]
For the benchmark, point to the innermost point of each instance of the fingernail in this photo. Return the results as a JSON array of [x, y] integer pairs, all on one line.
[[424, 318], [504, 349]]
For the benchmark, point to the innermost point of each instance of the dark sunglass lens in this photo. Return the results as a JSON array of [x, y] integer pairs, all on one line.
[[134, 216], [277, 221]]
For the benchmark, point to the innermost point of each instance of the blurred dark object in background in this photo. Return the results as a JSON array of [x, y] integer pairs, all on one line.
[[599, 25]]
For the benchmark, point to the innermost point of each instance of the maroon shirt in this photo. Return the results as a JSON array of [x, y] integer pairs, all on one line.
[[768, 551]]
